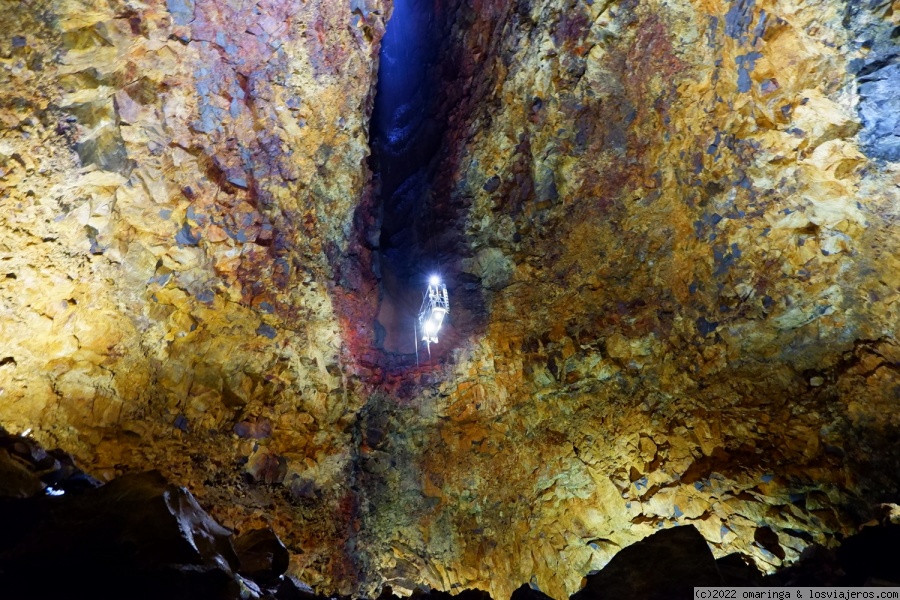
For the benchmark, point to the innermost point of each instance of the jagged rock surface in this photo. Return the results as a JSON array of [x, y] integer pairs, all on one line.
[[682, 225], [176, 177], [672, 250], [143, 537], [138, 537]]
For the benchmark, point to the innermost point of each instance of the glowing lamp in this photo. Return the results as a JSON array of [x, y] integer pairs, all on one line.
[[435, 307]]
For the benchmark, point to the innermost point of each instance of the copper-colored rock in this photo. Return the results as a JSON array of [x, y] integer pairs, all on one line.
[[668, 228]]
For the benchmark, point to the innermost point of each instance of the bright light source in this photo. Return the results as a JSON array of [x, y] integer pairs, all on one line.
[[52, 491], [435, 306], [27, 432]]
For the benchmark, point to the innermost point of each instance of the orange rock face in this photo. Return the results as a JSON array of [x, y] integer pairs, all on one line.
[[172, 174], [681, 236], [672, 256]]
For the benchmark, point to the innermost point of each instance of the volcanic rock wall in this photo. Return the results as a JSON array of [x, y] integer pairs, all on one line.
[[683, 220], [674, 276], [174, 176]]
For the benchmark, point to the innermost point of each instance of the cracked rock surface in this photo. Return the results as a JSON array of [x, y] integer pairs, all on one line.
[[670, 238], [175, 177]]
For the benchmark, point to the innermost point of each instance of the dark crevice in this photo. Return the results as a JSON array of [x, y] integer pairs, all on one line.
[[408, 136]]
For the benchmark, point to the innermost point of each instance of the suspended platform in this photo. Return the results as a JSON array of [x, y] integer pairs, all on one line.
[[435, 308]]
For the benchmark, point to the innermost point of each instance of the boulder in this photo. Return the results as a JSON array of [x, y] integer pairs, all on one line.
[[871, 556], [138, 536], [16, 480], [666, 565], [526, 592], [738, 570], [261, 555]]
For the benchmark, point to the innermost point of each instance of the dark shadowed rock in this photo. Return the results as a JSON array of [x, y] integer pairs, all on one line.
[[473, 594], [492, 184], [162, 522], [22, 457], [738, 570], [137, 537], [467, 594], [665, 565], [868, 558], [261, 554], [66, 476], [291, 589], [387, 593], [17, 481], [871, 555], [817, 567], [767, 538], [526, 592]]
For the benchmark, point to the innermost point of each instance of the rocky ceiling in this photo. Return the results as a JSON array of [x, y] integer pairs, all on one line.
[[669, 229]]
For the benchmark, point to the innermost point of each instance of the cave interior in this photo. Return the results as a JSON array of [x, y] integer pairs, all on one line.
[[669, 234]]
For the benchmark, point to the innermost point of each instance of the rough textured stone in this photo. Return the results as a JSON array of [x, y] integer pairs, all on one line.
[[173, 177], [668, 229], [700, 323], [137, 536]]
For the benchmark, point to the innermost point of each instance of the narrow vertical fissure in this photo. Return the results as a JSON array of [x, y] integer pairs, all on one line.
[[407, 132]]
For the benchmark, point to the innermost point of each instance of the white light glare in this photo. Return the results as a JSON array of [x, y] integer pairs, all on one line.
[[26, 432], [434, 280], [52, 491]]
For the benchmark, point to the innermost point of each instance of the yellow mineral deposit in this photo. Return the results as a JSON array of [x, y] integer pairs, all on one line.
[[667, 228]]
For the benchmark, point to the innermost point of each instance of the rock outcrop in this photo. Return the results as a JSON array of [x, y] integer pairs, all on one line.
[[177, 178], [681, 225], [142, 537], [137, 537], [668, 229], [666, 564]]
